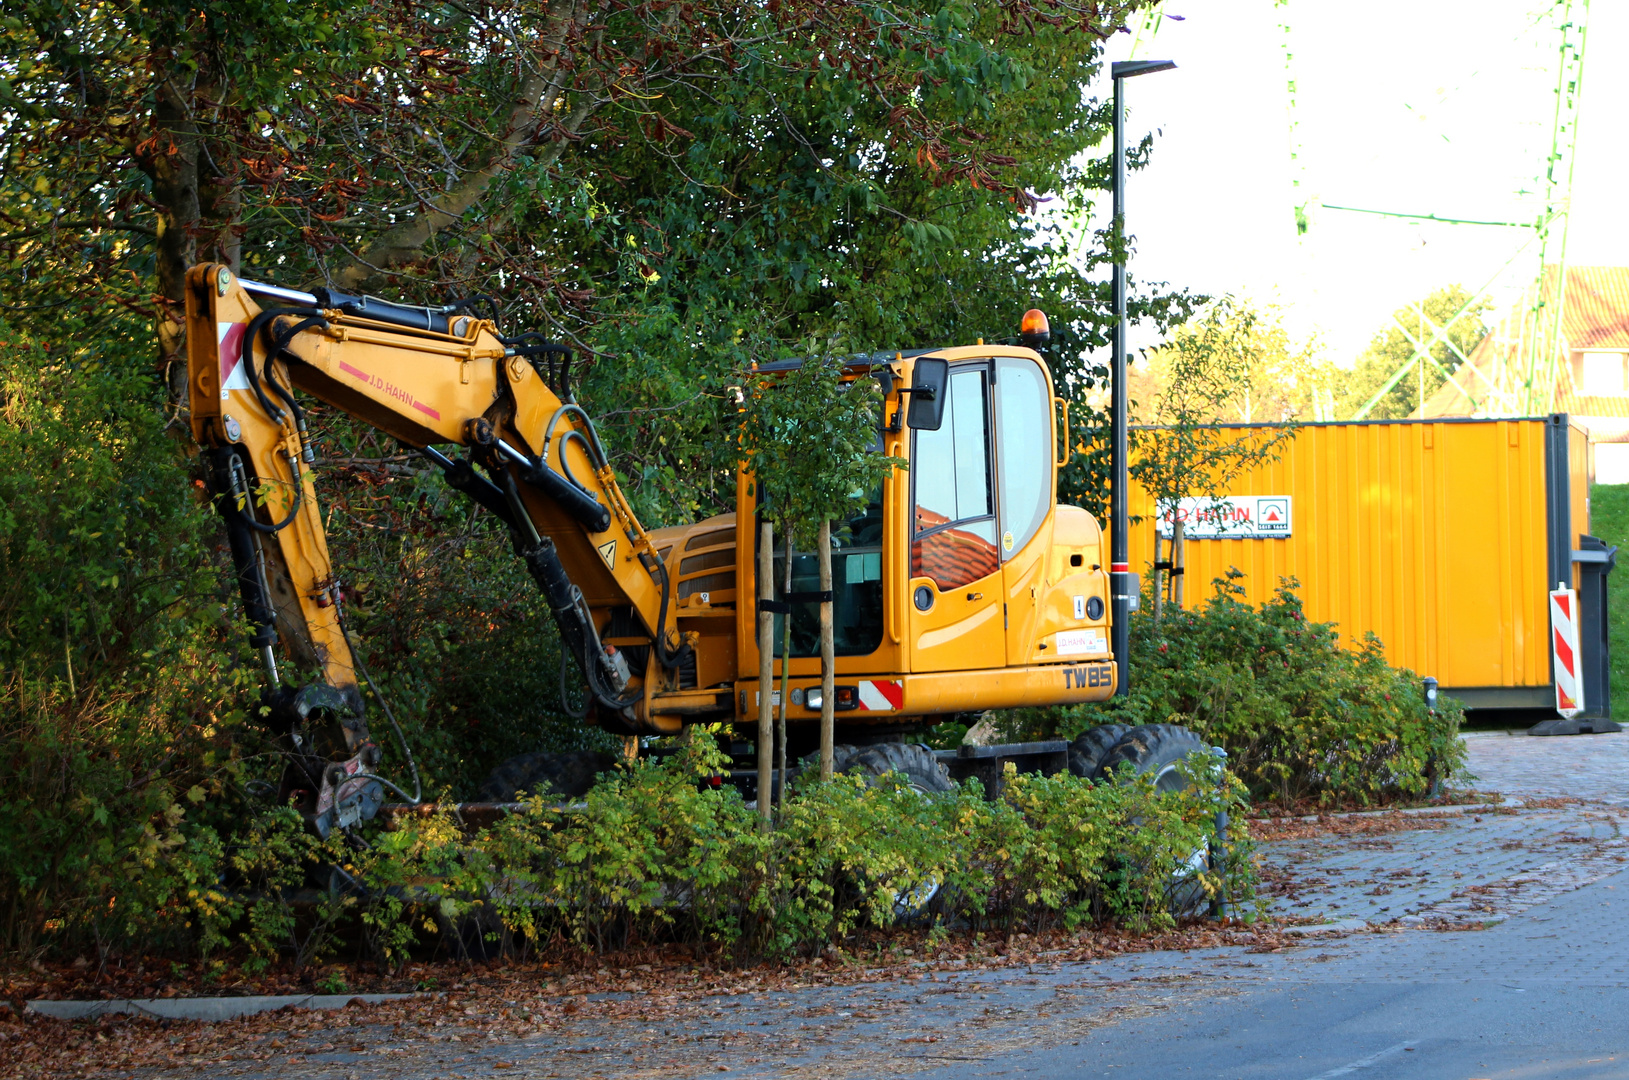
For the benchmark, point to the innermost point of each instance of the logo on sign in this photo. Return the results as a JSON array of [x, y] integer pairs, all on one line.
[[1228, 517]]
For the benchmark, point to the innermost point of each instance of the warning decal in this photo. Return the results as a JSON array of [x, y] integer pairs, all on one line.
[[608, 552], [879, 696], [229, 347]]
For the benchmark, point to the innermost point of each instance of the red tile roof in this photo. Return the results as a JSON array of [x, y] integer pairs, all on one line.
[[1596, 316], [1597, 311]]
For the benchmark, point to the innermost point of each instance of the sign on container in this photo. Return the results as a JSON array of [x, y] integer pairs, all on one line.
[[1229, 517]]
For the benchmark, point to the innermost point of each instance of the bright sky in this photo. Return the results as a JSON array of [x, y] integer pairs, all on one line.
[[1417, 106]]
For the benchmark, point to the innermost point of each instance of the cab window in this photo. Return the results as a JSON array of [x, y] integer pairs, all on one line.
[[1024, 427], [954, 527]]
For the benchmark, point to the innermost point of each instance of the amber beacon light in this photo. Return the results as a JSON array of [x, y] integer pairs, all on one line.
[[1033, 328]]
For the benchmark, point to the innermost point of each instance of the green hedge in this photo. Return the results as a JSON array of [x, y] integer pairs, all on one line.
[[1304, 720]]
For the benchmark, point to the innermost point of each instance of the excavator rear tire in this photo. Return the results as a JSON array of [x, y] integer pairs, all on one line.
[[560, 774], [1158, 750], [1087, 751], [920, 767]]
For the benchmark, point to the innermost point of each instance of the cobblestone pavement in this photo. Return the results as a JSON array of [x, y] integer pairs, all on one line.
[[1538, 990], [1591, 767], [1479, 867]]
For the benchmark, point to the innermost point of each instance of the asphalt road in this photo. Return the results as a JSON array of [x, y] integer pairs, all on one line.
[[1542, 994]]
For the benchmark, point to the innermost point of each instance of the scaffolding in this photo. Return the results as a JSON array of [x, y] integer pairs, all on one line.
[[1527, 357], [1528, 345]]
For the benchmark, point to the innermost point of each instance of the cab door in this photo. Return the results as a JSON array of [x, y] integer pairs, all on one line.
[[1026, 476], [955, 597]]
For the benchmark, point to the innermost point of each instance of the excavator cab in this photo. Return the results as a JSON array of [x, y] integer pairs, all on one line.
[[961, 585]]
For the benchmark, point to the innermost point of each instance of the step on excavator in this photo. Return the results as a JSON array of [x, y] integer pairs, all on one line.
[[962, 586]]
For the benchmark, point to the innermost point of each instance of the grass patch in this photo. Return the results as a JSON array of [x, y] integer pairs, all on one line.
[[1609, 520]]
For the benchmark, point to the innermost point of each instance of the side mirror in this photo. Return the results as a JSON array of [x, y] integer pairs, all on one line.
[[930, 382]]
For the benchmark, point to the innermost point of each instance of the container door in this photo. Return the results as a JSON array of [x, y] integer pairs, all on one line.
[[955, 598], [1024, 466]]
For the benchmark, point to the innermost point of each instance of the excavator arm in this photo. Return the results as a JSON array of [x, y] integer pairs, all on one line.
[[432, 379]]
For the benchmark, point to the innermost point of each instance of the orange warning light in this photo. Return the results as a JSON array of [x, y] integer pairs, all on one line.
[[1034, 328]]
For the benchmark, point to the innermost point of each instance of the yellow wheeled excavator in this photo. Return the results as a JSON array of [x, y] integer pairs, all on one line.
[[961, 587]]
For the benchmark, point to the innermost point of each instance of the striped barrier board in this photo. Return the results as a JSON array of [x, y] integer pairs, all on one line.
[[1569, 682]]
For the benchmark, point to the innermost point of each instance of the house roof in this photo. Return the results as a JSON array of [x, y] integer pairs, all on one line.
[[1597, 311], [1595, 316]]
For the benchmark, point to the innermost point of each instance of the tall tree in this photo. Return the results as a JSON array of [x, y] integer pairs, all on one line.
[[1447, 322], [1232, 365], [358, 141]]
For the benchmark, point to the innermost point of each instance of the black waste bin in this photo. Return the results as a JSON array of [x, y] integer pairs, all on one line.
[[1594, 559]]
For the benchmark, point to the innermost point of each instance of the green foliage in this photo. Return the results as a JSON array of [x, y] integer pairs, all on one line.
[[118, 694], [1303, 719], [810, 438], [651, 855], [1412, 328]]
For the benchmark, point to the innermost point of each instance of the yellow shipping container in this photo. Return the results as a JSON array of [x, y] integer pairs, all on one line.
[[1442, 537]]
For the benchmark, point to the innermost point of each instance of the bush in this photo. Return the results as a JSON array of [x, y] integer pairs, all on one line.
[[117, 690], [650, 855], [125, 685], [1303, 719]]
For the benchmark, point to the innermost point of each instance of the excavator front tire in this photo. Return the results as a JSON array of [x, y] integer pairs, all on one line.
[[918, 764], [1152, 749], [1087, 751], [1157, 751]]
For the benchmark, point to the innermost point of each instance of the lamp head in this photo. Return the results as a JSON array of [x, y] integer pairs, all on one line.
[[1125, 69]]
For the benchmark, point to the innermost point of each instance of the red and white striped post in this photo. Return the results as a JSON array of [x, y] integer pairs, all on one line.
[[1569, 680]]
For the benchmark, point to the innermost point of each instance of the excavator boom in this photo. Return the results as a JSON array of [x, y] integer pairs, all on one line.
[[430, 378]]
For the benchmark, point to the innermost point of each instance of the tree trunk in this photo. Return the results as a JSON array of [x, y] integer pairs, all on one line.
[[197, 204], [828, 649], [1178, 560], [766, 668], [786, 671], [175, 202]]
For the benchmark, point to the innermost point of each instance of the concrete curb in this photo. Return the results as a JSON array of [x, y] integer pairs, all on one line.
[[1322, 928], [1452, 808], [210, 1009]]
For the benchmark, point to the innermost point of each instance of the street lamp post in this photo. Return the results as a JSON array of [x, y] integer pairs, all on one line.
[[1122, 583]]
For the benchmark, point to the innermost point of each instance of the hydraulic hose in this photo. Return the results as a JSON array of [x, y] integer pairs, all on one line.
[[240, 490], [418, 789], [279, 346], [250, 336]]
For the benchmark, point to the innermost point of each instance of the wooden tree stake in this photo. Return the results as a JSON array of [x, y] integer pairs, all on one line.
[[766, 667], [828, 666]]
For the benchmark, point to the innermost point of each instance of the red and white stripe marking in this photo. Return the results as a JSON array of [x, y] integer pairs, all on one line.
[[879, 696], [1569, 684], [229, 339]]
